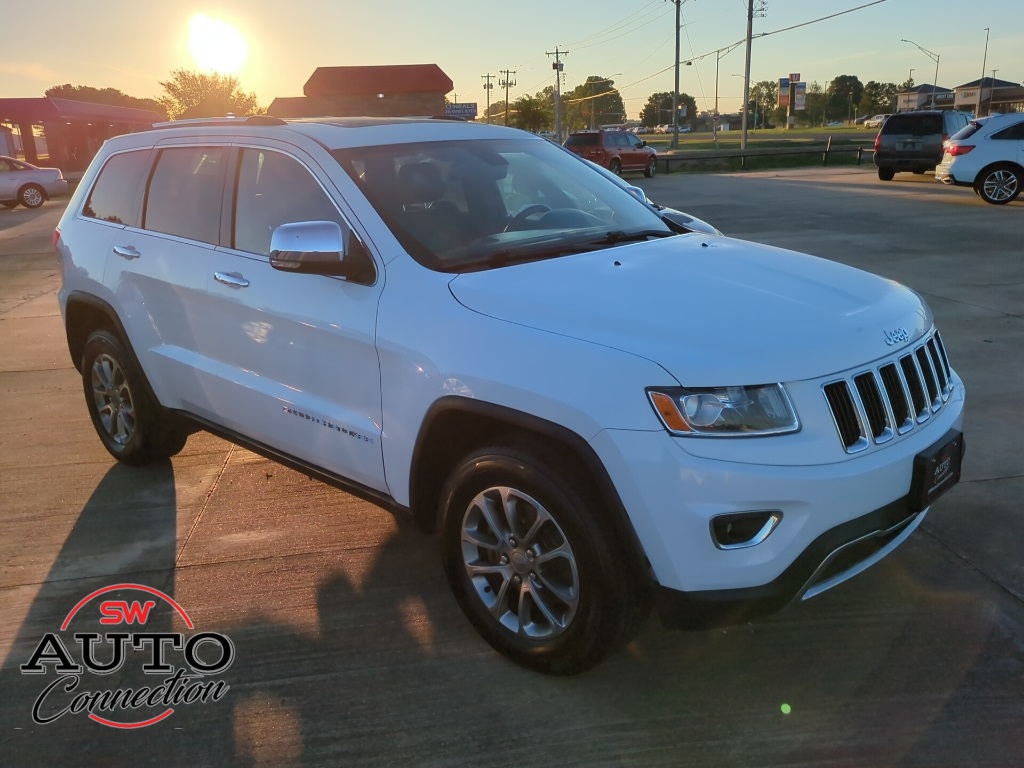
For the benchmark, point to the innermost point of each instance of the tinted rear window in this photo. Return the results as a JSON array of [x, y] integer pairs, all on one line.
[[582, 140], [966, 133], [115, 195], [185, 193], [915, 125]]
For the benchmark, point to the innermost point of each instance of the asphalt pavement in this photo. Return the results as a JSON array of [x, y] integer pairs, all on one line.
[[349, 649]]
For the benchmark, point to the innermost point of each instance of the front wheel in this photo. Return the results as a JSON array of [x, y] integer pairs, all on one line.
[[999, 184], [530, 563], [31, 196], [886, 174], [651, 169], [130, 423]]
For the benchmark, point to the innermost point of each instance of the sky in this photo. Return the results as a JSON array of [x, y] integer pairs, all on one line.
[[132, 45]]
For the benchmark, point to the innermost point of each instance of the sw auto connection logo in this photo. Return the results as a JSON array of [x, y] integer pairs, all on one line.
[[178, 670]]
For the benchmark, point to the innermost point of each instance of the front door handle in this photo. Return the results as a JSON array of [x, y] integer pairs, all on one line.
[[232, 279], [127, 251]]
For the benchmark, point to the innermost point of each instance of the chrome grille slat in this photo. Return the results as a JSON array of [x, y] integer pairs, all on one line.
[[874, 405]]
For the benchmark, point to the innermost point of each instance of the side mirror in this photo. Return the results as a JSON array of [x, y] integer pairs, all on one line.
[[643, 143], [313, 247], [638, 193]]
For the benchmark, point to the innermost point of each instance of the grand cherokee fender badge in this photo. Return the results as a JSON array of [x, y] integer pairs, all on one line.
[[896, 336]]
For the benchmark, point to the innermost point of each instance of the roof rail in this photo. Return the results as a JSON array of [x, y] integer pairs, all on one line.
[[226, 120]]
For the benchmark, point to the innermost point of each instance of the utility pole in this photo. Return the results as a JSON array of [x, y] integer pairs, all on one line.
[[558, 67], [981, 83], [762, 10], [507, 83], [488, 85], [675, 93]]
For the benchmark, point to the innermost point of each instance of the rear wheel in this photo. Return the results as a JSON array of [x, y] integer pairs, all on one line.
[[31, 196], [615, 166], [130, 423], [530, 563], [651, 169], [886, 174], [999, 184]]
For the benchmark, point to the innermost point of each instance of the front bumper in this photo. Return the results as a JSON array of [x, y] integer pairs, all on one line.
[[832, 558], [673, 496]]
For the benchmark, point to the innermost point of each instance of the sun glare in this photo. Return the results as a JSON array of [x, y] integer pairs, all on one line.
[[215, 45]]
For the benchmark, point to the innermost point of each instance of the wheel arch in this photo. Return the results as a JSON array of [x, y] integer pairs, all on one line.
[[84, 314], [456, 425]]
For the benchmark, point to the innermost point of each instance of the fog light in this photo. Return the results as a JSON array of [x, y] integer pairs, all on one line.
[[743, 529]]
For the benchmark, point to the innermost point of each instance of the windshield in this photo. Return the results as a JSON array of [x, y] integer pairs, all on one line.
[[460, 206]]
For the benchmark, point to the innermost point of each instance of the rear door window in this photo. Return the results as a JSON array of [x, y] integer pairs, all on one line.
[[185, 193], [115, 195]]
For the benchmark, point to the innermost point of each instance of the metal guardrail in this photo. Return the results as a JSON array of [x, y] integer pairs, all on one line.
[[683, 158]]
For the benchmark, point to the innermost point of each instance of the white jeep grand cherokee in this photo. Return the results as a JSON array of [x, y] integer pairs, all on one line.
[[598, 411]]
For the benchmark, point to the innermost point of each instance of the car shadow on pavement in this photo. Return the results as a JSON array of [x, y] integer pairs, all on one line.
[[391, 673]]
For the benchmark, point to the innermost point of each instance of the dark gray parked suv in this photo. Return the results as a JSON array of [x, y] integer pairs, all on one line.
[[912, 141]]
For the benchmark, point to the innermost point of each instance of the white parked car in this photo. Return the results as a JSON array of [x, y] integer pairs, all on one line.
[[595, 412], [876, 121], [988, 156], [28, 185]]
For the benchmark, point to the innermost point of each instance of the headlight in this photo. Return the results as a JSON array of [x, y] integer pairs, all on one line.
[[764, 409]]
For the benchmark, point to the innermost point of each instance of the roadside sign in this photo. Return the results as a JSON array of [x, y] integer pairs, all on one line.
[[465, 110]]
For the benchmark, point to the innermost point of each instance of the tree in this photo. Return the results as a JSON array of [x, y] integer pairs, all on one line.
[[203, 94], [530, 113], [593, 103], [109, 96], [843, 92], [658, 109], [878, 98], [764, 95]]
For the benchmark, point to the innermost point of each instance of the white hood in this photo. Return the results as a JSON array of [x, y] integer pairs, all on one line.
[[710, 310]]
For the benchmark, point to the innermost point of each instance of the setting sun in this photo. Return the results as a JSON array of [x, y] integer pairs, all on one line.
[[216, 46]]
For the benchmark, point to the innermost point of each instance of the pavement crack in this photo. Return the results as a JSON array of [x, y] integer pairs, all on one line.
[[970, 564], [206, 503]]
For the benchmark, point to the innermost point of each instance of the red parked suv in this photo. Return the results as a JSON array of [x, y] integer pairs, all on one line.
[[615, 150]]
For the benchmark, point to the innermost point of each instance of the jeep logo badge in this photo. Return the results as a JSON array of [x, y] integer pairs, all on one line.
[[896, 336]]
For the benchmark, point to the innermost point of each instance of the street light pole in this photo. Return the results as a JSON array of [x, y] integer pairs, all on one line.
[[934, 57], [981, 83]]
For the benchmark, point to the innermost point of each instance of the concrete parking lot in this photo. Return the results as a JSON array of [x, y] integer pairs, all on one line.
[[349, 649]]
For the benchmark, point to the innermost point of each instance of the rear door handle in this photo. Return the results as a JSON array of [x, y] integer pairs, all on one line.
[[127, 251], [232, 279]]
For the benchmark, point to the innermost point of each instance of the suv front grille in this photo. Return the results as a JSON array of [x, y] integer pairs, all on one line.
[[873, 406]]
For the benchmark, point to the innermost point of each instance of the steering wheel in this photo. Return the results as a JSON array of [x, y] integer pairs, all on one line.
[[524, 214]]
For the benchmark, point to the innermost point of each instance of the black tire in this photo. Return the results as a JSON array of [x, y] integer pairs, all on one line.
[[886, 174], [31, 196], [651, 169], [999, 184], [9, 204], [615, 166], [503, 509], [130, 423]]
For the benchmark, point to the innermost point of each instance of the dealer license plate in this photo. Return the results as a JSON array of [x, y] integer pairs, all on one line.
[[936, 470]]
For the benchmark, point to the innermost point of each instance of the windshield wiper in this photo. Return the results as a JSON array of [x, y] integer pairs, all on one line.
[[619, 236]]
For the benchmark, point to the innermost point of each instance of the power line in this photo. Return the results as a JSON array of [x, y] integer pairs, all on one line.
[[613, 26]]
